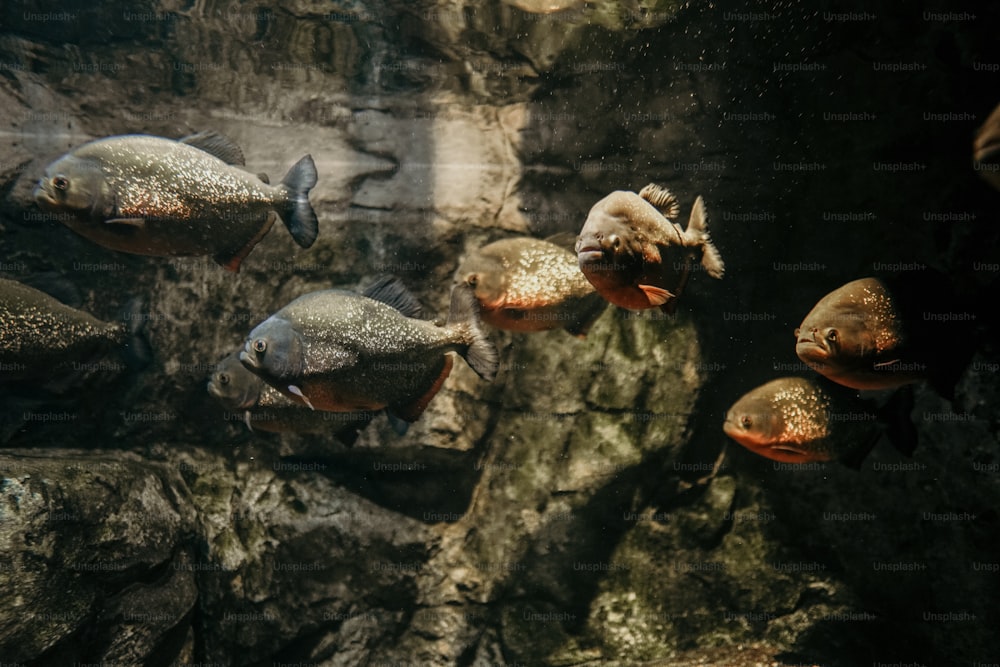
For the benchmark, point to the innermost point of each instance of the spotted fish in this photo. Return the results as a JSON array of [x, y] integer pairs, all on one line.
[[636, 256], [527, 284], [803, 420], [153, 196], [344, 352]]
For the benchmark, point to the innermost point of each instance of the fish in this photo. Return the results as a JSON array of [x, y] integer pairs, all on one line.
[[149, 195], [805, 420], [881, 333], [527, 284], [636, 256], [265, 408], [340, 351], [986, 150], [53, 345]]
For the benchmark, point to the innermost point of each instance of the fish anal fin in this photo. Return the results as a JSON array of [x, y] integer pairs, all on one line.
[[657, 296], [232, 262], [412, 411]]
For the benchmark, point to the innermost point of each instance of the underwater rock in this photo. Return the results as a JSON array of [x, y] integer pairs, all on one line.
[[505, 525]]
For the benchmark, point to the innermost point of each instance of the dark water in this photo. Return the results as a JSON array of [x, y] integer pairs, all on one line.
[[829, 142]]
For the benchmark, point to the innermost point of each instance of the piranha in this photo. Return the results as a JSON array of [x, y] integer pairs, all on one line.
[[265, 408], [880, 333], [527, 284], [344, 352], [986, 150], [636, 256], [804, 420], [153, 196], [44, 340]]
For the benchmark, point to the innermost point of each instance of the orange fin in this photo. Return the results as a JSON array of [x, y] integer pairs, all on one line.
[[232, 262], [412, 411], [657, 295]]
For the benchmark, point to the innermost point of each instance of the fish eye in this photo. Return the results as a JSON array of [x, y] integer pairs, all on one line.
[[472, 279], [831, 335], [60, 182], [260, 346], [223, 378], [746, 421]]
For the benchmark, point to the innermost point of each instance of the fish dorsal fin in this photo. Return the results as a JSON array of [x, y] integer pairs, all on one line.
[[391, 291], [663, 199], [216, 144]]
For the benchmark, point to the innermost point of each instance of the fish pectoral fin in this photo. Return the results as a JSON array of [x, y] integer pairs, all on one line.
[[134, 222], [246, 419], [292, 389], [651, 253], [657, 296]]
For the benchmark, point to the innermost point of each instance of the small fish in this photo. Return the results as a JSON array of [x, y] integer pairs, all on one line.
[[986, 150], [153, 196], [267, 409], [50, 343], [527, 284], [803, 420], [636, 256], [344, 352]]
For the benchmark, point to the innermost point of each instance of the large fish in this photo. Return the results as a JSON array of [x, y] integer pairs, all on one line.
[[344, 352], [153, 196], [803, 420], [264, 408], [636, 256], [986, 150], [527, 284], [880, 333], [43, 340]]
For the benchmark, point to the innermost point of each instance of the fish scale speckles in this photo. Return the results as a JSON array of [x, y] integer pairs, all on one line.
[[359, 353], [527, 284], [153, 196]]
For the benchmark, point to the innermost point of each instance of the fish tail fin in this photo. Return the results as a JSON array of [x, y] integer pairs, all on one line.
[[481, 353], [663, 199], [698, 225], [297, 213]]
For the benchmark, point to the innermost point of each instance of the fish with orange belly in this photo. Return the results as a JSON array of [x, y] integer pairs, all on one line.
[[340, 351], [805, 420], [527, 284], [636, 256], [881, 333]]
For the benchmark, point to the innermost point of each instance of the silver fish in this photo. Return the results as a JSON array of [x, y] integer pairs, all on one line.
[[153, 196]]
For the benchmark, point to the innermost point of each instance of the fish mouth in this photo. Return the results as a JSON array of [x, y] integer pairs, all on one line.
[[812, 352], [249, 360], [590, 253], [42, 197]]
